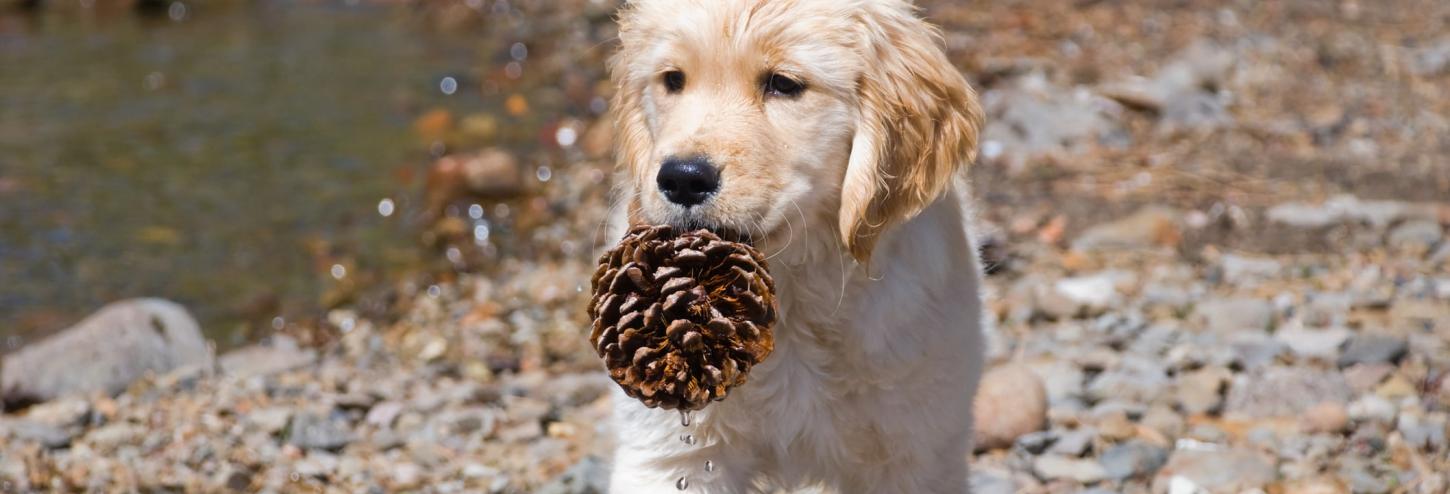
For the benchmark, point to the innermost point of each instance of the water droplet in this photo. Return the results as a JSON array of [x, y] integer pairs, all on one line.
[[480, 233], [177, 11], [338, 272], [514, 70], [475, 211], [709, 466], [278, 323], [435, 291], [683, 483], [455, 256], [448, 85], [685, 418], [519, 52], [688, 439], [385, 207], [544, 174], [566, 136]]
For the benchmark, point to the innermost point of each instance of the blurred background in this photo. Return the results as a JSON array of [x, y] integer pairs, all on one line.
[[382, 215]]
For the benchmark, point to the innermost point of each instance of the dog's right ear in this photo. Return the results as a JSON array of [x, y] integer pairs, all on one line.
[[632, 137]]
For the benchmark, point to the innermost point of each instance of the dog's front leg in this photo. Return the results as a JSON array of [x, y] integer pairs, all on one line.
[[652, 455]]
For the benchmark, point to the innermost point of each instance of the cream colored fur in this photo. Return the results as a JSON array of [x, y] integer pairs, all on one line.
[[853, 190]]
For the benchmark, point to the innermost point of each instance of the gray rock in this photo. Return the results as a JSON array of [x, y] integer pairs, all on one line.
[[114, 436], [48, 436], [1179, 94], [383, 414], [1320, 344], [1140, 380], [1372, 408], [1132, 459], [1230, 470], [1234, 314], [310, 431], [1082, 296], [1035, 443], [1254, 350], [1373, 349], [105, 352], [1240, 269], [1284, 392], [1201, 391], [1032, 118], [279, 354], [1363, 479], [1432, 59], [1416, 234], [1053, 467], [268, 420], [1425, 432], [984, 481], [589, 476], [1073, 443], [1328, 309]]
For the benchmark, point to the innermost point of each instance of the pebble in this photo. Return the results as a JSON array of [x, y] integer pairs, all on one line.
[[47, 436], [1317, 485], [1425, 432], [311, 431], [1234, 314], [589, 476], [1011, 402], [1421, 234], [1371, 407], [1074, 443], [1202, 391], [1228, 470], [1326, 417], [1284, 392], [1053, 467], [1373, 349], [280, 354], [1314, 344], [1151, 226], [1132, 459]]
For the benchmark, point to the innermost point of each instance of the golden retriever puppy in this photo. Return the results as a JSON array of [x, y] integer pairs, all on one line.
[[833, 134]]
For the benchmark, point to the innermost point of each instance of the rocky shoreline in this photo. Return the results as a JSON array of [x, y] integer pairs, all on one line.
[[1217, 239]]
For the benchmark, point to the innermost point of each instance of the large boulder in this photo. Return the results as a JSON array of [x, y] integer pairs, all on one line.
[[105, 352]]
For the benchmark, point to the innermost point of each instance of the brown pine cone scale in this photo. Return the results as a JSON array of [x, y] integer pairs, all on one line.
[[680, 318]]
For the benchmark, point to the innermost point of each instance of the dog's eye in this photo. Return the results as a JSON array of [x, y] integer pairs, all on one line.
[[674, 81], [779, 85]]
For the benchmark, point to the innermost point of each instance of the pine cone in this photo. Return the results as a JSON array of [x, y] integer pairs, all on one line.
[[680, 319]]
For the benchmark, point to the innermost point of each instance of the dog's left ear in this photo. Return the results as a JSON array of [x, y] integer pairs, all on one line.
[[917, 129]]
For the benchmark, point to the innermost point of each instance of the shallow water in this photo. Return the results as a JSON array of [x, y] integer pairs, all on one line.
[[232, 157]]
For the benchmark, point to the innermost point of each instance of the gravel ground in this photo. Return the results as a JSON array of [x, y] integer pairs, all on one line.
[[1217, 236]]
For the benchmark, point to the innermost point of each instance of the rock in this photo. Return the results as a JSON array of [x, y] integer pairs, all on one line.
[[1426, 432], [310, 431], [1152, 226], [1182, 93], [1328, 309], [1052, 467], [1326, 417], [1373, 349], [406, 475], [488, 174], [1372, 408], [1030, 118], [105, 352], [1061, 379], [65, 412], [1256, 349], [1378, 214], [1201, 391], [1314, 344], [1011, 401], [48, 436], [1284, 392], [383, 414], [1239, 269], [1140, 380], [1073, 443], [589, 476], [1132, 459], [984, 481], [280, 354], [1420, 234], [1082, 296], [1365, 377], [1317, 485], [111, 437], [1362, 480], [1234, 314], [1035, 443], [1431, 60], [268, 420], [1214, 471]]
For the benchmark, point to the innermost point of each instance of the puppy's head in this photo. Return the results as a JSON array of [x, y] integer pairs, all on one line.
[[744, 115]]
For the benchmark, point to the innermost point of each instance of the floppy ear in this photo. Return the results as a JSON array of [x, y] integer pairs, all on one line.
[[632, 139], [918, 127]]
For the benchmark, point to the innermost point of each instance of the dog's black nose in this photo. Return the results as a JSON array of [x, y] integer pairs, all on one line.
[[688, 181]]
